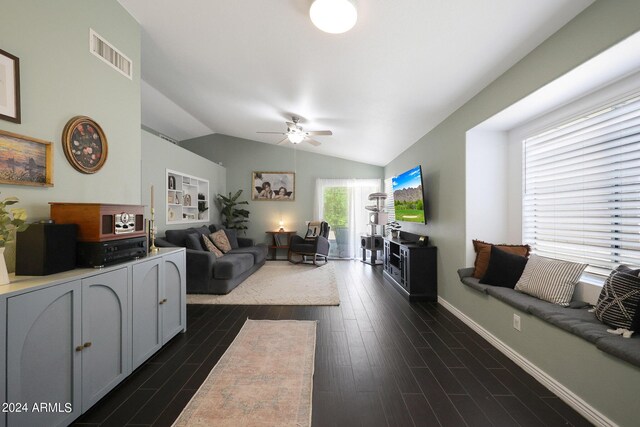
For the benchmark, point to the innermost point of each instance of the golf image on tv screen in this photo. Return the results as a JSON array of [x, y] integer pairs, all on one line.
[[407, 196]]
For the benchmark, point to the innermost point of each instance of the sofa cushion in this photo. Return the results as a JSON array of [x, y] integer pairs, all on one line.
[[483, 255], [259, 252], [232, 237], [208, 244], [550, 279], [177, 237], [192, 241], [504, 268], [618, 303], [232, 265], [219, 238]]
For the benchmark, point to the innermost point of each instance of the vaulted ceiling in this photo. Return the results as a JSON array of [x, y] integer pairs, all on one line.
[[241, 66]]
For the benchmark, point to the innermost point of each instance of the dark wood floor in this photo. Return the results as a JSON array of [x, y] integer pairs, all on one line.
[[380, 361]]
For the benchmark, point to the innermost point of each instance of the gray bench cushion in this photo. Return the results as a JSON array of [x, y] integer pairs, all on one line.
[[467, 278], [577, 321], [513, 298], [627, 349], [232, 265]]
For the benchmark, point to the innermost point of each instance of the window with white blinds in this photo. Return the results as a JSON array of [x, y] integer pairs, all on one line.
[[388, 203], [582, 189]]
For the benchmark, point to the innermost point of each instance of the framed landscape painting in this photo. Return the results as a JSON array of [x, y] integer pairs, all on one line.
[[275, 186], [24, 160]]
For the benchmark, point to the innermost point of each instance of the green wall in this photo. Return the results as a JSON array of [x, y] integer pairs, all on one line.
[[159, 155], [241, 157], [441, 153], [59, 79]]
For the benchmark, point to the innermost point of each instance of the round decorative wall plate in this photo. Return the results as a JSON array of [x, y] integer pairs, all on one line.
[[84, 144]]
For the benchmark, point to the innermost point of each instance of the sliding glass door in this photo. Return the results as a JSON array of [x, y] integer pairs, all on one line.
[[341, 202]]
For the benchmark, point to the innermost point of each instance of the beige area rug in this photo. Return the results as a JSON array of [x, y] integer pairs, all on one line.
[[281, 283], [265, 378]]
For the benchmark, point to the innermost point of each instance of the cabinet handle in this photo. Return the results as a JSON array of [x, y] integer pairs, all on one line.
[[87, 344], [163, 301], [79, 348]]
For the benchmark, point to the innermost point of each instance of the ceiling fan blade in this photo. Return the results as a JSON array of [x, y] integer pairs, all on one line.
[[283, 141], [319, 132], [275, 133], [312, 141]]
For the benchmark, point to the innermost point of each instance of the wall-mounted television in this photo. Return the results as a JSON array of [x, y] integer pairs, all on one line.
[[408, 198]]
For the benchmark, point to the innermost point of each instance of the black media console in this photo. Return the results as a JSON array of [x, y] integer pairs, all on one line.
[[411, 268]]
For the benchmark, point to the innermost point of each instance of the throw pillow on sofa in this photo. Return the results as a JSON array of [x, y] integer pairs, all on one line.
[[504, 268], [192, 241], [211, 247], [219, 238], [550, 279], [619, 300], [483, 255]]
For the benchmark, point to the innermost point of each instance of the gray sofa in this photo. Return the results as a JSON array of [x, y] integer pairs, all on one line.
[[575, 319], [208, 274]]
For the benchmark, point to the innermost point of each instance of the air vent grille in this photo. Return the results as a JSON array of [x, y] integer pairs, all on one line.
[[168, 138], [109, 54]]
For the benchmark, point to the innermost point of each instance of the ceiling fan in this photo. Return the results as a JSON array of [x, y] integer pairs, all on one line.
[[295, 134]]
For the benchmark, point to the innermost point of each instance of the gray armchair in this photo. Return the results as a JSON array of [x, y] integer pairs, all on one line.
[[315, 242]]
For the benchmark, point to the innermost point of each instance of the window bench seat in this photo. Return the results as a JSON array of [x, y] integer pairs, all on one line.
[[575, 319]]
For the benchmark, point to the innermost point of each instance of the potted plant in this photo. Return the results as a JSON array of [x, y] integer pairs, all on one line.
[[234, 218], [11, 221], [394, 227]]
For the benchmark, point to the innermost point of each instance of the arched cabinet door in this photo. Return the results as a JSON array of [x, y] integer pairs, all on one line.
[[106, 358], [174, 314], [43, 366], [147, 316]]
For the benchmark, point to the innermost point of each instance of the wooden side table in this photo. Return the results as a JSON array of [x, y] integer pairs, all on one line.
[[280, 240]]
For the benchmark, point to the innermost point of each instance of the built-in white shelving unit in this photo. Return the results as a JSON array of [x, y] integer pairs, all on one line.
[[187, 198]]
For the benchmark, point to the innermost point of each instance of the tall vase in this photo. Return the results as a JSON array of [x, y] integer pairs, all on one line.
[[4, 275]]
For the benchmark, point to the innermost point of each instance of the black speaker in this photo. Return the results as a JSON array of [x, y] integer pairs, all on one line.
[[44, 249]]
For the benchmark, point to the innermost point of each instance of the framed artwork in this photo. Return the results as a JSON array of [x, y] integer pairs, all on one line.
[[275, 186], [25, 161], [9, 87], [85, 144]]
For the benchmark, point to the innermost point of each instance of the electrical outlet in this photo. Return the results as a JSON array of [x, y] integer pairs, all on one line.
[[516, 322]]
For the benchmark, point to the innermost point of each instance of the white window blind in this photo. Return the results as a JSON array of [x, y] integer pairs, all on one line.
[[388, 203], [582, 189]]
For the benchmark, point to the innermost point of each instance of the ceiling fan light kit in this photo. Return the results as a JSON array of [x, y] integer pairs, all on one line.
[[295, 134], [295, 137], [333, 16]]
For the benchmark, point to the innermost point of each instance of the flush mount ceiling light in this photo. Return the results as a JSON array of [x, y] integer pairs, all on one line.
[[333, 16]]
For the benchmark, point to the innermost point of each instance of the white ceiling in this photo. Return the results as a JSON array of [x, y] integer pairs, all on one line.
[[242, 66]]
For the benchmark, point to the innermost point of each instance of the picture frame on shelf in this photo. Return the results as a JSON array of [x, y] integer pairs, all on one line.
[[172, 182], [273, 186], [9, 87], [171, 197], [85, 144], [25, 160]]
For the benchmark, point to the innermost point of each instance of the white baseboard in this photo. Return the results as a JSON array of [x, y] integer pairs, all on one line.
[[569, 397]]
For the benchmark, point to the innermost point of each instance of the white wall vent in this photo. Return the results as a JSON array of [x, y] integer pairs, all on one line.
[[109, 54], [168, 138]]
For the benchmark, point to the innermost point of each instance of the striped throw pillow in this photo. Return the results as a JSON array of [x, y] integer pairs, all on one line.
[[550, 279], [618, 303]]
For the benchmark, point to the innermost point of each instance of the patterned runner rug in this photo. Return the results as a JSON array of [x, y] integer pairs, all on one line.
[[281, 283], [265, 378]]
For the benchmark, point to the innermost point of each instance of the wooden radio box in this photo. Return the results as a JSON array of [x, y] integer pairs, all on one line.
[[99, 222]]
